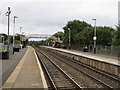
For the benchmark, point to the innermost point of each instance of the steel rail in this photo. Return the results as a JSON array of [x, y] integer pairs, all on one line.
[[98, 71], [87, 74], [52, 83], [71, 80]]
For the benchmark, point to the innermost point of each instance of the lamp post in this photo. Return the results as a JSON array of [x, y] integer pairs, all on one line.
[[94, 38], [3, 42], [58, 38], [8, 14], [20, 37], [69, 38], [3, 39], [14, 31]]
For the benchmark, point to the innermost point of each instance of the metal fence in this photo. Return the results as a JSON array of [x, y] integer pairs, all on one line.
[[108, 50], [105, 50]]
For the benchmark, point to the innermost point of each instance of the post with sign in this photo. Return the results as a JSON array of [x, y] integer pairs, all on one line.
[[95, 38]]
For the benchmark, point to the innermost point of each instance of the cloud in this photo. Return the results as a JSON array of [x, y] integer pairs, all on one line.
[[49, 16]]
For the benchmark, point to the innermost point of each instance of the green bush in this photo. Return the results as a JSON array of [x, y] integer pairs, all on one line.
[[17, 42], [4, 51]]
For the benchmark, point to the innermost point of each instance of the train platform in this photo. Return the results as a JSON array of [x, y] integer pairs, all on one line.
[[28, 73], [102, 58], [8, 65]]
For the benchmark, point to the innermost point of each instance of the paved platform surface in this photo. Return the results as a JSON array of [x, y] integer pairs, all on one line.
[[8, 65], [103, 58], [27, 74]]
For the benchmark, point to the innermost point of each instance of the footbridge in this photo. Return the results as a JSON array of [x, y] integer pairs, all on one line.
[[40, 36]]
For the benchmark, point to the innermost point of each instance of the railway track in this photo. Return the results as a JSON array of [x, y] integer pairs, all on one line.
[[58, 78], [106, 80]]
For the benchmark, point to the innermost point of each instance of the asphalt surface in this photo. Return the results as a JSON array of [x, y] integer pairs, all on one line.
[[9, 65]]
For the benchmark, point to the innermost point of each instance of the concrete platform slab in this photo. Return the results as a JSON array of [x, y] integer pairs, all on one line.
[[105, 64], [101, 58], [8, 65], [27, 74]]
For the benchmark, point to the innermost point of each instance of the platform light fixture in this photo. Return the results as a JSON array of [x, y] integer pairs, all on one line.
[[14, 31], [8, 14], [69, 38], [20, 36], [94, 38]]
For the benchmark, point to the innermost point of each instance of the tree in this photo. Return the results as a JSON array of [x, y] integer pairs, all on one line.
[[5, 36], [82, 34], [104, 35], [59, 35], [85, 37], [75, 27], [11, 38], [42, 42], [17, 36]]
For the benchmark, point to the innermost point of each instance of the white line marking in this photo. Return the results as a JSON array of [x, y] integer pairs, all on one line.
[[41, 72]]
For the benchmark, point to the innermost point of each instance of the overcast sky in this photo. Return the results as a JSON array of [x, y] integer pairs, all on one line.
[[49, 16]]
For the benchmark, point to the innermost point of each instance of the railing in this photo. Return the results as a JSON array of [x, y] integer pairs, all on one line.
[[105, 50], [108, 50]]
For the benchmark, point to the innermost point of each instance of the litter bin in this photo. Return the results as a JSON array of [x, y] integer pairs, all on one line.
[[85, 49], [16, 49]]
